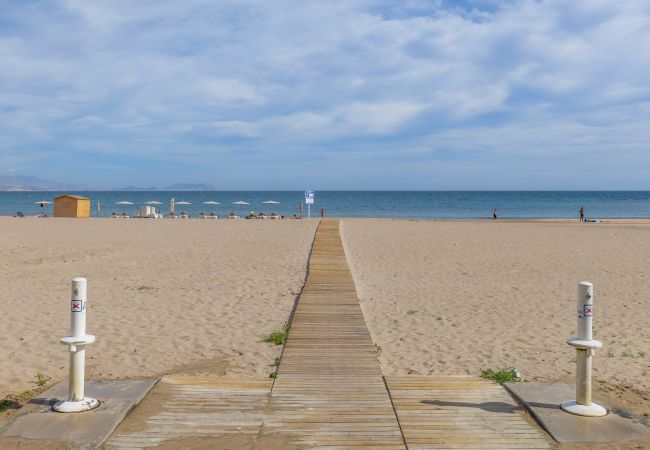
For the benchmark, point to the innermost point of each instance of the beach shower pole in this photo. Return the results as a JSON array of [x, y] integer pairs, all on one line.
[[76, 342], [585, 347]]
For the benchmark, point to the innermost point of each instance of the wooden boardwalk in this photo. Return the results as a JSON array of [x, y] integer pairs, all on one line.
[[330, 392], [186, 408], [460, 413]]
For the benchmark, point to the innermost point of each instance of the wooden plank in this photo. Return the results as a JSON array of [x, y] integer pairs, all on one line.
[[330, 392], [197, 407], [460, 412]]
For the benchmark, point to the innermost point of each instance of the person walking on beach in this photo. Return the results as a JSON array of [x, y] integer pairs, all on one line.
[[322, 212], [582, 214], [494, 214]]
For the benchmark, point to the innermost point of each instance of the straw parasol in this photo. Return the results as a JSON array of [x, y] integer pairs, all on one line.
[[171, 206]]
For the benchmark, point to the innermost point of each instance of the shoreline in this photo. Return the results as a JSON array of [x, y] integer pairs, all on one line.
[[397, 218]]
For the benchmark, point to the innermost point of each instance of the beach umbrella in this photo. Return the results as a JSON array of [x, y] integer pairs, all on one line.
[[211, 202], [240, 203], [171, 206], [154, 202], [43, 203], [124, 202], [271, 202], [183, 203], [98, 208]]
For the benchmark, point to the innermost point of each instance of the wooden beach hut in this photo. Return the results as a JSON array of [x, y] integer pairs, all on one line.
[[71, 206]]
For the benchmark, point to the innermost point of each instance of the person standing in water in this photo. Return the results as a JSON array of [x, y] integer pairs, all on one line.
[[582, 214], [494, 214], [322, 212]]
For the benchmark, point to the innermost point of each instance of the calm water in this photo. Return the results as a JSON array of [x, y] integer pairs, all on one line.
[[433, 205]]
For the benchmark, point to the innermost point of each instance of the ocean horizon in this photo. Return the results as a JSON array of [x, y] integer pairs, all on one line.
[[467, 205]]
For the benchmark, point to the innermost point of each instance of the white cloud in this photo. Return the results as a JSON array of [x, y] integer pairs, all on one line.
[[245, 77], [235, 128], [377, 118], [229, 90]]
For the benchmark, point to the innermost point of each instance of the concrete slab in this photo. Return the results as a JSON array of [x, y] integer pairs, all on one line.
[[543, 400], [37, 421]]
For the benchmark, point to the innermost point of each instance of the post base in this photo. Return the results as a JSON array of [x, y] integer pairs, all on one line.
[[67, 406], [593, 410]]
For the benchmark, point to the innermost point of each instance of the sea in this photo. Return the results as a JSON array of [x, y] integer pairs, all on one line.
[[467, 205]]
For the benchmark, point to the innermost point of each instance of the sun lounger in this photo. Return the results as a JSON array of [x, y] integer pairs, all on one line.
[[124, 215], [184, 215], [274, 215], [172, 215], [203, 215], [114, 215], [232, 215], [213, 215]]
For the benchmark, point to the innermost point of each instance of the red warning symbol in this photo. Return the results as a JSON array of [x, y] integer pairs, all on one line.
[[77, 306], [589, 310]]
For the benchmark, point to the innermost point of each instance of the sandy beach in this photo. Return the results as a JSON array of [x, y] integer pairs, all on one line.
[[439, 297], [164, 296], [457, 297]]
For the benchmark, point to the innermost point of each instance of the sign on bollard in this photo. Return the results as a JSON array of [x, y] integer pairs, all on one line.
[[309, 200], [76, 342], [585, 347]]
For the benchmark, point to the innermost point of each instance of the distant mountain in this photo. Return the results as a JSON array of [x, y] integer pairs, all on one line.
[[173, 187], [189, 187], [29, 183], [137, 188]]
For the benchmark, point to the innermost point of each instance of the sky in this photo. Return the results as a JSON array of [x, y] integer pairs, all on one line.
[[337, 94]]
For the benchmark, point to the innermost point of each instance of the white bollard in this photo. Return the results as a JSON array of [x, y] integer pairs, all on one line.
[[585, 348], [76, 342]]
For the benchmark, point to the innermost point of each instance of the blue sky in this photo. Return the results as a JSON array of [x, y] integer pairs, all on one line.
[[253, 94]]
